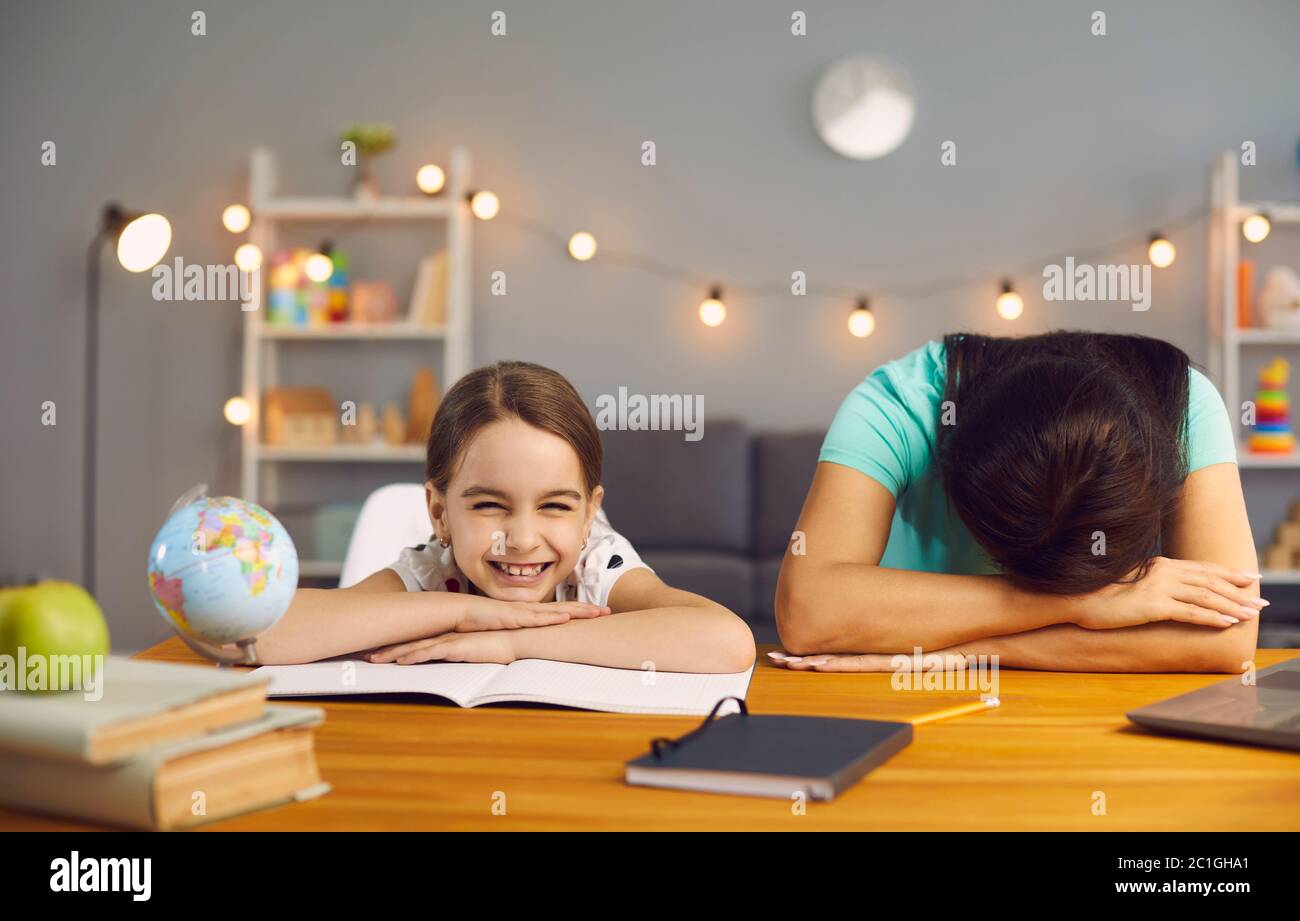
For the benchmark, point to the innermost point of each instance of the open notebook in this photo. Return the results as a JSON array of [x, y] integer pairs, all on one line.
[[588, 687]]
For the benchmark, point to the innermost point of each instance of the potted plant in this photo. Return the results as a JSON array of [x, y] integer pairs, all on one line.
[[371, 139]]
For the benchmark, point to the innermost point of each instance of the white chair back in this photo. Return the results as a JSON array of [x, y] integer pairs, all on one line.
[[392, 517]]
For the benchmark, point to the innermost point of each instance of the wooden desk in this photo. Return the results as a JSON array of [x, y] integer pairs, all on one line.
[[1032, 764]]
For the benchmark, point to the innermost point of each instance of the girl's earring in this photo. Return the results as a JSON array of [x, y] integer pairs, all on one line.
[[444, 542]]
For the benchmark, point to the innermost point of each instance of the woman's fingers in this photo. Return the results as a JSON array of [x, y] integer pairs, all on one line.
[[1235, 576], [1188, 613], [1245, 598], [1206, 598]]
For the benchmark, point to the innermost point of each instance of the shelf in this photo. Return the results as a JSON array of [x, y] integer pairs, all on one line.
[[353, 331], [320, 569], [342, 453], [1266, 336], [1248, 458], [1281, 576], [347, 209], [1279, 212]]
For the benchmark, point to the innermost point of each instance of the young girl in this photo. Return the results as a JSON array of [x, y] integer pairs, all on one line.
[[523, 563], [1068, 501]]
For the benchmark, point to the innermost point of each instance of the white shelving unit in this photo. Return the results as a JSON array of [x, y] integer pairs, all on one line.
[[259, 476], [1226, 339]]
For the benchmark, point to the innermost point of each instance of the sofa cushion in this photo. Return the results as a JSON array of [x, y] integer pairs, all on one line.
[[726, 578], [662, 491], [783, 471]]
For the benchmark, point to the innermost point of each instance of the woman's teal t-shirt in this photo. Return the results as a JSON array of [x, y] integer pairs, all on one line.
[[887, 428]]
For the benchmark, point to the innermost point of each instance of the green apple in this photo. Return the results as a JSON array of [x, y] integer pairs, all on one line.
[[51, 619]]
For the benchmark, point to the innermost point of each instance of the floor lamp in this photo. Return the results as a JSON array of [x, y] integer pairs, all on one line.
[[141, 241]]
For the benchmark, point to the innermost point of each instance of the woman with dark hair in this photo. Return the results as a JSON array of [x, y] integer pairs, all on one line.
[[1067, 501]]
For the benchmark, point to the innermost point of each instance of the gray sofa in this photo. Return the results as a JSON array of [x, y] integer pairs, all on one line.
[[712, 516]]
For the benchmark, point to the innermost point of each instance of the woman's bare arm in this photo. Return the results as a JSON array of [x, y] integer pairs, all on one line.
[[1210, 524], [836, 598]]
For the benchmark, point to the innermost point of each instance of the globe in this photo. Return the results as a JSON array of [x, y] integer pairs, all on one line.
[[221, 570]]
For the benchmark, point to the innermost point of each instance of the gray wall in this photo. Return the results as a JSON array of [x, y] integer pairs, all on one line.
[[1064, 140]]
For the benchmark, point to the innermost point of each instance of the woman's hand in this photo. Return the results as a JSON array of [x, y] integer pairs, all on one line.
[[482, 613], [948, 660], [484, 646], [1187, 591]]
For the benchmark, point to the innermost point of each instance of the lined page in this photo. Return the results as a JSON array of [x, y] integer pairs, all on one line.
[[457, 681], [615, 690]]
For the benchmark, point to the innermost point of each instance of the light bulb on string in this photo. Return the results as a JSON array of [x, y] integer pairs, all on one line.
[[319, 266], [249, 257], [485, 205], [236, 218], [1256, 227], [1010, 305], [237, 411], [430, 178], [1161, 251], [862, 322], [582, 246], [712, 310]]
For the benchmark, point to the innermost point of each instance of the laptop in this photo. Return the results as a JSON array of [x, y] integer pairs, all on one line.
[[1266, 713]]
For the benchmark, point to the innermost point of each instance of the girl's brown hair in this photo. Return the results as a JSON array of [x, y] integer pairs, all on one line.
[[511, 389], [1062, 441]]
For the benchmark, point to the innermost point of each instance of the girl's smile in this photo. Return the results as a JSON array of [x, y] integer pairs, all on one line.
[[519, 573]]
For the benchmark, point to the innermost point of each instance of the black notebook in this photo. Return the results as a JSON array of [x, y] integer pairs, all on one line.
[[774, 756]]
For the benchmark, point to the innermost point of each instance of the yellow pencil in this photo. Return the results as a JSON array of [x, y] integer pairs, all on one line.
[[986, 703]]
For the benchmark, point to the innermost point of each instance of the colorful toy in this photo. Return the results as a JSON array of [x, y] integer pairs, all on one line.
[[295, 300], [1272, 433]]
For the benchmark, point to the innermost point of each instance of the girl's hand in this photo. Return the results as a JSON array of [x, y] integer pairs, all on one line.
[[485, 646], [490, 614], [945, 659], [1187, 591]]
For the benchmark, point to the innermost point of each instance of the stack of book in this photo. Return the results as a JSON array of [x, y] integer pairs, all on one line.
[[156, 746]]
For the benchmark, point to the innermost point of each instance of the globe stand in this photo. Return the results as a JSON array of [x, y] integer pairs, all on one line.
[[247, 654]]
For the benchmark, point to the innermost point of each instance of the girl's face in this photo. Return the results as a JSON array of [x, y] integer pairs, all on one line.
[[515, 511]]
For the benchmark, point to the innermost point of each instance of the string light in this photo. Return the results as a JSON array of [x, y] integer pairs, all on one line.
[[1256, 227], [485, 205], [1010, 305], [1161, 251], [238, 411], [862, 322], [319, 267], [712, 310], [236, 218], [582, 246], [249, 257], [430, 178]]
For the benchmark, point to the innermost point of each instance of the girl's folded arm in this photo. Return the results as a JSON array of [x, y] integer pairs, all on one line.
[[652, 625], [377, 611]]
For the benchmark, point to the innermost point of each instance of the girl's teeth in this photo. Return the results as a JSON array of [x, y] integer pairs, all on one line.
[[522, 570]]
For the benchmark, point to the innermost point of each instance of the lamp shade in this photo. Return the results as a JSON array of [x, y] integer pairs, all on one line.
[[143, 242]]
